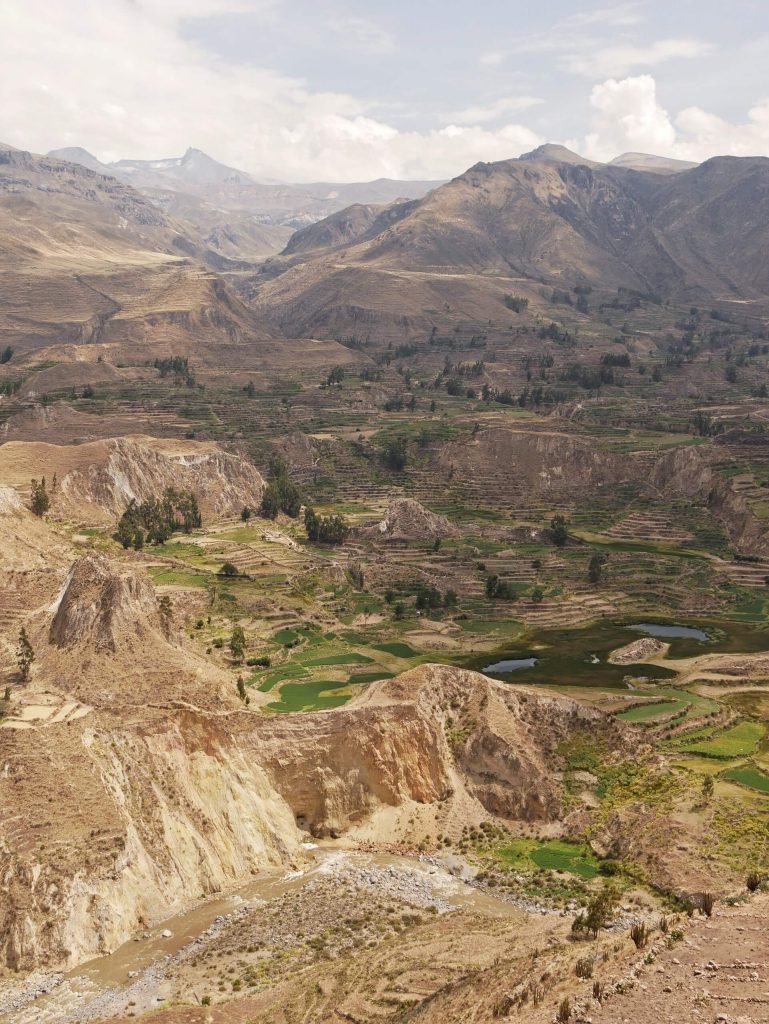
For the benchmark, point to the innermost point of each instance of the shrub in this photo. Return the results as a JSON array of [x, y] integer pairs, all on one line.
[[584, 968], [599, 989], [639, 933], [707, 903], [563, 1016], [753, 881]]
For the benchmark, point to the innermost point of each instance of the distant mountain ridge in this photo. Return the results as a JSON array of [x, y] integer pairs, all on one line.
[[686, 234]]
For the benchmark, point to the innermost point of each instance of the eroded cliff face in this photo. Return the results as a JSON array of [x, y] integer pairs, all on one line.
[[112, 821], [96, 481], [689, 471]]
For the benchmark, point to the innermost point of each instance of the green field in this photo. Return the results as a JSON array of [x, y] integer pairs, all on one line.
[[397, 649], [555, 855], [340, 659], [738, 741], [649, 712], [748, 776]]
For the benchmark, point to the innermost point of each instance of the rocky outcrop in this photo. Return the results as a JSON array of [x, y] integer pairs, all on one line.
[[405, 519], [101, 608]]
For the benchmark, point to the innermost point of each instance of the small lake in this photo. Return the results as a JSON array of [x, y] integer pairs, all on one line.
[[510, 665], [577, 656], [681, 632]]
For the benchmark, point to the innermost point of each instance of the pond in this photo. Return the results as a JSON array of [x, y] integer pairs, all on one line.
[[510, 665], [577, 656], [670, 632]]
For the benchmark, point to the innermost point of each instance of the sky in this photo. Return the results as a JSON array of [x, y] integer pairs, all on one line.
[[339, 90]]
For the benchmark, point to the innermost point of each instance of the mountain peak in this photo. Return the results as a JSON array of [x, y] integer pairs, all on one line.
[[559, 154]]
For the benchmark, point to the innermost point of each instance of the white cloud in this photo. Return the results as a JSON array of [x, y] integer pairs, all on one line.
[[491, 59], [617, 16], [119, 78], [363, 34], [493, 111], [627, 116], [594, 62]]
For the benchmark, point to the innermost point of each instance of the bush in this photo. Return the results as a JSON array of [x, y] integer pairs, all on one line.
[[707, 903], [564, 1012], [584, 968], [639, 933]]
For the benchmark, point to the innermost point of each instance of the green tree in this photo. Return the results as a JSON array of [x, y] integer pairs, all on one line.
[[40, 502], [25, 655], [708, 788], [395, 455], [560, 530], [242, 689], [599, 913], [228, 569], [245, 513], [595, 568], [238, 643]]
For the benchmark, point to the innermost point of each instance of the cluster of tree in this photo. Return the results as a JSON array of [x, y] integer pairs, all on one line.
[[395, 454], [705, 426], [615, 359], [325, 529], [559, 528], [400, 402], [557, 334], [10, 387], [176, 366], [500, 590], [588, 377], [156, 519], [430, 598], [517, 303], [280, 494], [335, 375], [40, 500], [457, 389]]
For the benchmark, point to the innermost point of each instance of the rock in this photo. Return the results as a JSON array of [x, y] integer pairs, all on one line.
[[166, 934]]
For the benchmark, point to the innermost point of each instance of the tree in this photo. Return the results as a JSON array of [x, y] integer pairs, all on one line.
[[450, 599], [25, 655], [238, 643], [242, 689], [228, 569], [40, 502], [166, 610], [595, 568], [245, 513], [560, 530], [599, 913], [280, 495], [249, 389], [395, 455], [708, 787], [6, 355], [537, 594]]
